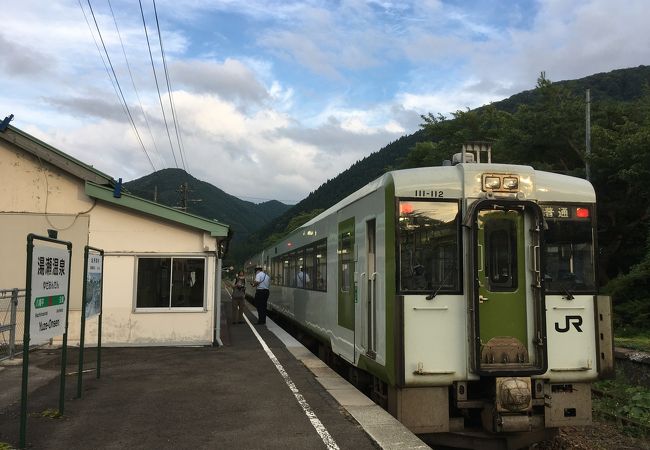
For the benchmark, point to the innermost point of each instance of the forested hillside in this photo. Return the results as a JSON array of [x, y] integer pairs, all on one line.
[[549, 134], [206, 200], [544, 128]]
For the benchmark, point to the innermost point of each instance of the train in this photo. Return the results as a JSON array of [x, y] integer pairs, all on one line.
[[464, 296]]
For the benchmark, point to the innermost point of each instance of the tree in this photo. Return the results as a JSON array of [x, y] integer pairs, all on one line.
[[448, 135], [547, 133]]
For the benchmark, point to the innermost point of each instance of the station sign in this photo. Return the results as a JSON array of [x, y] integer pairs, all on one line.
[[49, 283], [94, 284]]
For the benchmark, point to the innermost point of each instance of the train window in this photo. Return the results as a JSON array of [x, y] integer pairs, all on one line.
[[346, 242], [428, 246], [306, 277], [285, 270], [276, 271], [305, 267], [569, 250], [501, 254], [293, 269], [320, 278]]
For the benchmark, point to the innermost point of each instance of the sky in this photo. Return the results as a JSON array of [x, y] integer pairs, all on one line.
[[273, 98]]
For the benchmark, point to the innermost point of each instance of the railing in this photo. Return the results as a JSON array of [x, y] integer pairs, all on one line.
[[9, 299]]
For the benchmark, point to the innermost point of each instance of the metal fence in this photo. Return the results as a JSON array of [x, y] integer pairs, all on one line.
[[11, 301]]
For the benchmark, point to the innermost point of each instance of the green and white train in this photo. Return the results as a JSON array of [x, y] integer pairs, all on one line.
[[466, 294]]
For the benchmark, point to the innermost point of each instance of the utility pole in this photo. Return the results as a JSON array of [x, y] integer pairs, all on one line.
[[588, 136], [184, 192]]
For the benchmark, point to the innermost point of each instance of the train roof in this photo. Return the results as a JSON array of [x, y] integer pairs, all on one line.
[[463, 181]]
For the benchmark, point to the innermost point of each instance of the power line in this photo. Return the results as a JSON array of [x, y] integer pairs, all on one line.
[[181, 150], [101, 56], [144, 24], [128, 66], [108, 58]]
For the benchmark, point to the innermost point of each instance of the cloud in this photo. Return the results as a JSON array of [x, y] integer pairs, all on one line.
[[89, 106], [17, 60], [566, 39], [231, 80], [273, 97]]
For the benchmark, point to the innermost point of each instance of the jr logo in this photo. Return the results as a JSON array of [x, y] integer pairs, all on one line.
[[576, 321]]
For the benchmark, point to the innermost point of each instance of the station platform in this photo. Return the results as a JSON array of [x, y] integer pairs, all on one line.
[[261, 389]]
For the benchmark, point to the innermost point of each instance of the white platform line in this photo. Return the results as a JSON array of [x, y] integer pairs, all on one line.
[[311, 415]]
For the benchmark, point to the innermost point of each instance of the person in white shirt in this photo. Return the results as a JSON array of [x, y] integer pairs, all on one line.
[[262, 283], [302, 279]]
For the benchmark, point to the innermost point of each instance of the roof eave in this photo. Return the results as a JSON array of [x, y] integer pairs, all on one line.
[[54, 156], [125, 200]]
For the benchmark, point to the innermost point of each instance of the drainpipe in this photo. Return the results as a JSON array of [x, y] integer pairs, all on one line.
[[219, 253], [217, 301]]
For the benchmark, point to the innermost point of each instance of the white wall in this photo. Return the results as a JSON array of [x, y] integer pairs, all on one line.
[[35, 196]]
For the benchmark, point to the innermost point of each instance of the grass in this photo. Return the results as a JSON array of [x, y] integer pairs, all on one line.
[[5, 446], [48, 413], [634, 341], [624, 403]]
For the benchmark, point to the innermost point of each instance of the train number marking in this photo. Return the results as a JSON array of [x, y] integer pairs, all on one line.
[[429, 193], [576, 321]]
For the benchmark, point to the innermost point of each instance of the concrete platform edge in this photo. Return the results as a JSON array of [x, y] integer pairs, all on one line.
[[386, 431]]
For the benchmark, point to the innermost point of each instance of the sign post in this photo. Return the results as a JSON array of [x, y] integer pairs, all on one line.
[[91, 304], [47, 304]]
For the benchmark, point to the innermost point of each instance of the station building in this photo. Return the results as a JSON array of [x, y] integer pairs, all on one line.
[[162, 266]]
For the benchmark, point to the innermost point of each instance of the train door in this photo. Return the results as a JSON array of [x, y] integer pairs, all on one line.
[[369, 292], [346, 275], [508, 295]]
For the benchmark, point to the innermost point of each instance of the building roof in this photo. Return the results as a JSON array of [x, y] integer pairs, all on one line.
[[126, 200], [100, 186], [55, 156]]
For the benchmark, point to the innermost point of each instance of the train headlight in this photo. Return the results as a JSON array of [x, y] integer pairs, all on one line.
[[510, 183], [491, 183], [500, 182]]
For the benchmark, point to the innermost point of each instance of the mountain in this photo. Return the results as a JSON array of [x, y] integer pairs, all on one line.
[[622, 85], [206, 200]]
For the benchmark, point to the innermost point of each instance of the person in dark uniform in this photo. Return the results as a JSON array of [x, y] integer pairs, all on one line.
[[262, 283]]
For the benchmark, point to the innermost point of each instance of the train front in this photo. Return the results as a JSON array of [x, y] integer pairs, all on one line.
[[501, 317]]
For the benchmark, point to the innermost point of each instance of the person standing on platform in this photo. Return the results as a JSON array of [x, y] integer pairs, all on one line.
[[262, 283], [238, 297]]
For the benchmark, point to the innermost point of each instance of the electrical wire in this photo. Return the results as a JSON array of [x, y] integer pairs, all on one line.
[[144, 24], [128, 66], [101, 56], [181, 150], [108, 58]]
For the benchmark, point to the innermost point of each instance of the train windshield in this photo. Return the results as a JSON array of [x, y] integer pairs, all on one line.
[[428, 246], [569, 249]]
